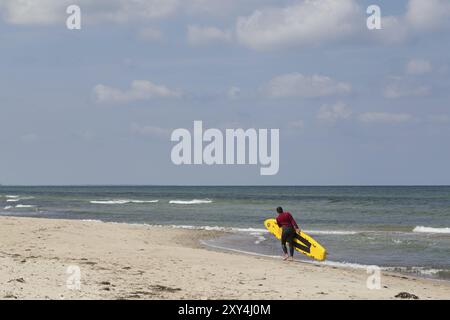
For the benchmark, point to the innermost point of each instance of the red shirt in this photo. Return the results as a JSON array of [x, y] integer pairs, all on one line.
[[285, 220]]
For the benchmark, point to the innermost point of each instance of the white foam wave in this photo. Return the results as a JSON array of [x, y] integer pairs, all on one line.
[[217, 228], [312, 232], [11, 196], [7, 207], [331, 232], [121, 201], [259, 237], [431, 230], [423, 271], [418, 270], [257, 232], [327, 263], [239, 251], [251, 230], [109, 201], [194, 201], [343, 264], [25, 206], [254, 231], [17, 198], [208, 228]]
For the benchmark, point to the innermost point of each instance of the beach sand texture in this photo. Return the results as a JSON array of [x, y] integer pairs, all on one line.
[[39, 257]]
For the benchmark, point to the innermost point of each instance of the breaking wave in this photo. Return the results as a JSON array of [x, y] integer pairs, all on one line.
[[431, 230], [25, 206], [194, 201], [121, 201]]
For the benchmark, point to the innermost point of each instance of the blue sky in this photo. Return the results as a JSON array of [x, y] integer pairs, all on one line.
[[97, 105]]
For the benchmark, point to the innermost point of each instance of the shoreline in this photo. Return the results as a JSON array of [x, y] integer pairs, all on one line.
[[223, 231], [334, 264], [132, 261]]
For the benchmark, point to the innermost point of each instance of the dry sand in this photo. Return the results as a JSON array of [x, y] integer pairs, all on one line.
[[123, 261]]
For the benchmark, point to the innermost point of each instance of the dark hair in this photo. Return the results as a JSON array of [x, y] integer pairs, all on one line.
[[280, 210]]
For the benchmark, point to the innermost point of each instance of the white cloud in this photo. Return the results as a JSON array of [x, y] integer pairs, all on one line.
[[204, 35], [394, 30], [425, 15], [400, 87], [421, 17], [152, 131], [213, 7], [150, 34], [384, 117], [33, 12], [338, 111], [139, 90], [306, 23], [314, 22], [125, 10], [418, 67], [47, 12], [408, 86], [298, 85]]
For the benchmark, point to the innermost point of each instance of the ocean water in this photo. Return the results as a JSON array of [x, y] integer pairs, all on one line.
[[405, 229]]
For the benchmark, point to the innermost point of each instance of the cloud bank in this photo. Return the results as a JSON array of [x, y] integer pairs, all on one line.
[[139, 90], [305, 86]]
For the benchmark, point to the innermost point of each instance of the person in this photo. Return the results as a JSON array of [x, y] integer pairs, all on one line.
[[289, 227]]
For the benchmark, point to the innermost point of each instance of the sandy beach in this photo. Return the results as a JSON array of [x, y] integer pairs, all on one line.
[[40, 257]]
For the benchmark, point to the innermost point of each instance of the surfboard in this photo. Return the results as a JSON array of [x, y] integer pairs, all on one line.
[[302, 242]]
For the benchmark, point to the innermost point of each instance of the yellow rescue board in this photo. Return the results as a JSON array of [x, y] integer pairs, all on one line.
[[302, 242]]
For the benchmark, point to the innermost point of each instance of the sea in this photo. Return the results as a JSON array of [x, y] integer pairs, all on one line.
[[402, 229]]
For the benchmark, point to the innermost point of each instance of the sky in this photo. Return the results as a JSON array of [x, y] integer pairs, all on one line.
[[97, 105]]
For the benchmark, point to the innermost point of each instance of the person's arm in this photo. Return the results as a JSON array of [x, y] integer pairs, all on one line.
[[293, 222], [278, 223]]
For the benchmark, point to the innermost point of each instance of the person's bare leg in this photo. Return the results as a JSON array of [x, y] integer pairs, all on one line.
[[284, 247], [291, 249]]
